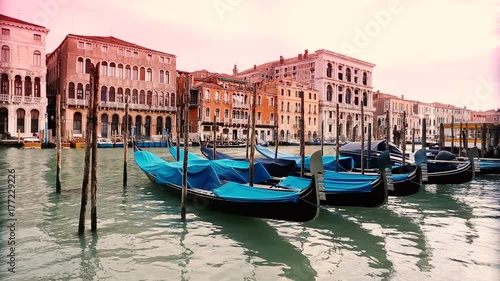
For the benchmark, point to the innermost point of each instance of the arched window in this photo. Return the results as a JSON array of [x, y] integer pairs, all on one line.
[[226, 113], [155, 98], [167, 77], [119, 95], [77, 123], [88, 66], [71, 90], [149, 98], [172, 100], [147, 126], [112, 69], [87, 91], [5, 56], [128, 72], [226, 97], [104, 125], [348, 74], [79, 65], [37, 88], [329, 93], [329, 70], [27, 86], [142, 97], [104, 69], [119, 72], [127, 97], [217, 96], [365, 99], [104, 93], [365, 78], [159, 125], [18, 86], [162, 76], [20, 119], [161, 99], [5, 84], [348, 96], [142, 74], [112, 97], [114, 123], [35, 115], [135, 73], [79, 91], [135, 96], [149, 75], [37, 58]]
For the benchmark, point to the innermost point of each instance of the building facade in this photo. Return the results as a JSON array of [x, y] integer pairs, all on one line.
[[23, 100], [396, 108], [339, 79], [127, 72]]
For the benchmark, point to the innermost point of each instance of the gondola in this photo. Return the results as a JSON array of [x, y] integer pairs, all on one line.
[[487, 166], [438, 171], [347, 189], [206, 190], [329, 162], [275, 167]]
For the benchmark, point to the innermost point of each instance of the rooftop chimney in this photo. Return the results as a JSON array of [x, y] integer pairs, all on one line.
[[282, 60], [402, 97], [235, 70], [305, 53], [300, 56], [254, 67]]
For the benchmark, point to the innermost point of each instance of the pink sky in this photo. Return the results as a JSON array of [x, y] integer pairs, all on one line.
[[446, 51]]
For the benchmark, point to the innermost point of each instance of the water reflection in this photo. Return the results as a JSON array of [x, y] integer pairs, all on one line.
[[89, 259], [261, 244]]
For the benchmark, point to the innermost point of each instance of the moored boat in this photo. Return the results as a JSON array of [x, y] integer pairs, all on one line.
[[207, 191], [104, 143], [31, 142]]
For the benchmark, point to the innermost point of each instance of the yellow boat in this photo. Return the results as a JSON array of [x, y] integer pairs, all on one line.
[[32, 143]]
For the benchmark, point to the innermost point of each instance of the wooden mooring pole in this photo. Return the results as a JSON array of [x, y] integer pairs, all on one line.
[[413, 140], [58, 142], [252, 135], [214, 128], [322, 136], [475, 135], [93, 175], [424, 133], [337, 137], [125, 144], [441, 137], [369, 146], [403, 144], [362, 138], [460, 139], [277, 135], [186, 145], [302, 135], [452, 136], [86, 167], [387, 130]]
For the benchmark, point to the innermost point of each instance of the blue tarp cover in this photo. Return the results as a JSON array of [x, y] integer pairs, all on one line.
[[489, 164], [203, 176], [334, 182], [191, 156], [329, 161], [238, 192], [228, 169]]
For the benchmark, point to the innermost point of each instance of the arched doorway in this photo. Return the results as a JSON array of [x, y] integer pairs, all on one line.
[[114, 123], [35, 115], [159, 125], [138, 125], [348, 127], [21, 114], [104, 125], [4, 120], [147, 126], [168, 125], [77, 123]]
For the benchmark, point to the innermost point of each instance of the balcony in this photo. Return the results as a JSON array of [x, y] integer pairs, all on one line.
[[241, 105], [79, 102], [4, 98]]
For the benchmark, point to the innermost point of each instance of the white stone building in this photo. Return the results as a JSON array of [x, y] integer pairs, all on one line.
[[23, 101], [339, 79]]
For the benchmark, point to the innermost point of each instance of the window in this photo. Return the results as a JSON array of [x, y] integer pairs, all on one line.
[[5, 56], [5, 31], [120, 52], [167, 77], [104, 68], [136, 54], [112, 69], [71, 90], [37, 58], [150, 57], [162, 59], [37, 37], [149, 75], [128, 72], [18, 87], [119, 72], [79, 65], [5, 84], [34, 120], [20, 120], [88, 46], [135, 73], [79, 91], [167, 60], [162, 76], [104, 49], [128, 53], [81, 45]]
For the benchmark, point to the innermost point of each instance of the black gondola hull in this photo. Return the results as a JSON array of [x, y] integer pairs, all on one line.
[[377, 197]]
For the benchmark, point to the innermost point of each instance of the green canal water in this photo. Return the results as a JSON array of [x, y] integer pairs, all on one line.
[[445, 232]]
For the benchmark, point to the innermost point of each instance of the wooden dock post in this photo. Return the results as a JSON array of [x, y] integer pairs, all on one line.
[[302, 135], [214, 128], [460, 139], [186, 145], [441, 137], [86, 167], [466, 139], [58, 142], [369, 146], [337, 137], [277, 135], [178, 128], [252, 149], [322, 136], [424, 133], [475, 135], [403, 132], [93, 175], [387, 130], [413, 140], [125, 144], [363, 139], [483, 140], [452, 137], [248, 135]]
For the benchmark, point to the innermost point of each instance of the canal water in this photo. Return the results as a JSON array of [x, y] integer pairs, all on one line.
[[445, 232]]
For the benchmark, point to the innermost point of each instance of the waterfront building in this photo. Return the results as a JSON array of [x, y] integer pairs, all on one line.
[[426, 111], [23, 70], [339, 79], [286, 94], [144, 77], [397, 107]]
